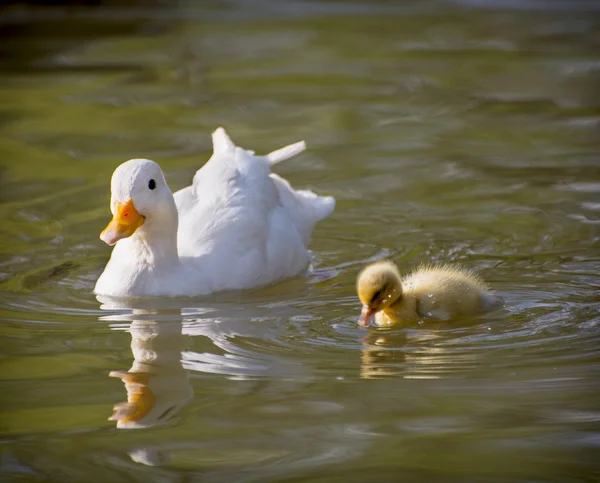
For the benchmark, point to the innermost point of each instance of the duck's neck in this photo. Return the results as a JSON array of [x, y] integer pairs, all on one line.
[[157, 251], [156, 240]]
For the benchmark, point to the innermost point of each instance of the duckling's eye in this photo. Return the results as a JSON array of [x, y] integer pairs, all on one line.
[[376, 296], [151, 184]]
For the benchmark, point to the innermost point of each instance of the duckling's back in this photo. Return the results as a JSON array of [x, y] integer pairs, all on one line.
[[444, 292]]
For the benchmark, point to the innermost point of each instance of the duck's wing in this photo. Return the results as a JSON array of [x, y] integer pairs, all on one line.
[[244, 222]]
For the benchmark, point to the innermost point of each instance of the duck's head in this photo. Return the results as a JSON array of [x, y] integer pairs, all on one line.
[[139, 195], [378, 286]]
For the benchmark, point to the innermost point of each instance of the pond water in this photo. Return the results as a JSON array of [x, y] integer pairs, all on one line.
[[464, 132]]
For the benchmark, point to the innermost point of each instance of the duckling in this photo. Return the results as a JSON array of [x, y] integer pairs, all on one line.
[[439, 292]]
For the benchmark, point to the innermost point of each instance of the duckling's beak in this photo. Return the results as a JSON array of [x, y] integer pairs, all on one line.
[[124, 223], [366, 316]]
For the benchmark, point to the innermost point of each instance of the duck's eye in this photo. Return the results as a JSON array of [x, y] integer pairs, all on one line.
[[376, 296], [151, 184]]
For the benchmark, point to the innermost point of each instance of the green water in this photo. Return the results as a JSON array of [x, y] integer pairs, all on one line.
[[447, 131]]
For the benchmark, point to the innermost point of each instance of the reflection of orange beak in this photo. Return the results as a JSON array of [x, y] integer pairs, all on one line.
[[140, 399], [123, 224], [366, 316]]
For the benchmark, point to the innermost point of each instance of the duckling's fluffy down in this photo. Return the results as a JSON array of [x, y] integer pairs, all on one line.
[[445, 277]]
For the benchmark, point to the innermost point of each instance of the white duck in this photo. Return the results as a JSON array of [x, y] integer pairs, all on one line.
[[238, 226]]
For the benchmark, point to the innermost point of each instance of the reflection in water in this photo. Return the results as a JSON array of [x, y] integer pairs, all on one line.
[[462, 135], [419, 354], [382, 354], [240, 349], [157, 385]]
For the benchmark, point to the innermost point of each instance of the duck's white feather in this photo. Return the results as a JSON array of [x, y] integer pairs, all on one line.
[[240, 226], [286, 152]]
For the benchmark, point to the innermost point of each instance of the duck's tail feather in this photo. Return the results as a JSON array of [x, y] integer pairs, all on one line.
[[322, 206], [314, 208], [221, 141], [286, 152]]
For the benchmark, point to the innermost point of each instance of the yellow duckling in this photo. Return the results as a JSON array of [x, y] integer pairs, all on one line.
[[441, 292]]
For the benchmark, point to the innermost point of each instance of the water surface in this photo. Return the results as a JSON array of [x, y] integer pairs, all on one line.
[[463, 132]]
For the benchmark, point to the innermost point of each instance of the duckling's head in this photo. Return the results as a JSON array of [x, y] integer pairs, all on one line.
[[139, 195], [378, 286]]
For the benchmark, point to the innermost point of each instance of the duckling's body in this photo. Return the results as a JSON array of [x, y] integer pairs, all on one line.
[[433, 292]]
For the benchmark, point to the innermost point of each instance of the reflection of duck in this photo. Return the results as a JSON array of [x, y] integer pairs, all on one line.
[[157, 385], [423, 355], [382, 354], [431, 292]]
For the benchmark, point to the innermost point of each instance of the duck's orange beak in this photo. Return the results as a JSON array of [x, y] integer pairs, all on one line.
[[124, 223], [366, 316]]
